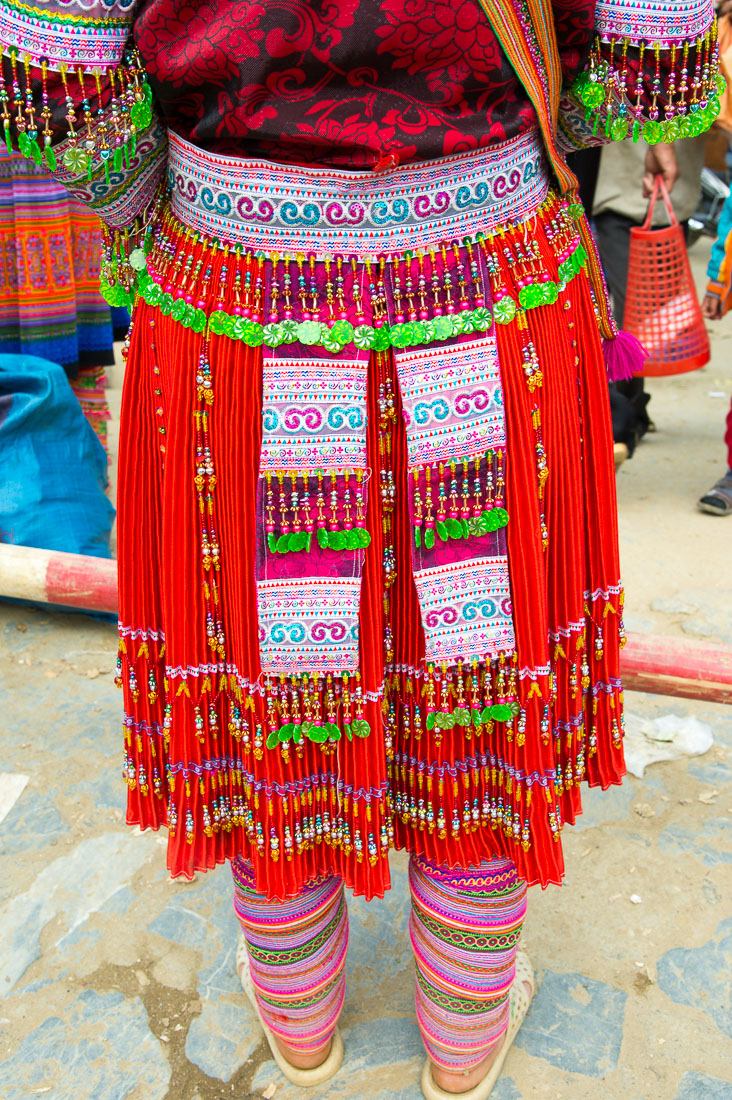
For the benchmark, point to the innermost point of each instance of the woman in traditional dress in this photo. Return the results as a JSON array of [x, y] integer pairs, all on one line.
[[369, 584], [50, 302]]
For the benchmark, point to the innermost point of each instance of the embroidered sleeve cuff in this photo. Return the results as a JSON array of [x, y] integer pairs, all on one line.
[[665, 24], [92, 34], [659, 88]]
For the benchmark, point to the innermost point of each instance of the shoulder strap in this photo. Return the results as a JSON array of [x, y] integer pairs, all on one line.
[[525, 29]]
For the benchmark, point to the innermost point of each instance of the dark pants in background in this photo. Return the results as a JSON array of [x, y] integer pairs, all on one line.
[[612, 231]]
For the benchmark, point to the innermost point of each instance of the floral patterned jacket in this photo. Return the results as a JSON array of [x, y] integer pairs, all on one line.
[[93, 86]]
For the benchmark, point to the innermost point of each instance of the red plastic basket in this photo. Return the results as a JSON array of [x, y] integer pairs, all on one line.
[[662, 309]]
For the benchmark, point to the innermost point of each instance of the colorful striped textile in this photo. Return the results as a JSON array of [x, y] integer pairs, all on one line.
[[297, 954], [465, 927], [89, 386], [50, 247]]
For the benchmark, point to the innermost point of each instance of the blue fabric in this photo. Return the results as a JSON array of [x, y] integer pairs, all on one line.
[[53, 469], [719, 248]]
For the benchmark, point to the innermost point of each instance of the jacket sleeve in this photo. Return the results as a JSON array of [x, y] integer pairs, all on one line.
[[75, 98], [720, 262], [652, 72]]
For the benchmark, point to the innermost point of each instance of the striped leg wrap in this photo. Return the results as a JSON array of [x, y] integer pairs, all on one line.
[[465, 927], [297, 954]]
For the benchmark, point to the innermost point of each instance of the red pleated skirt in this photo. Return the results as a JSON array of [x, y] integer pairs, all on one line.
[[458, 799]]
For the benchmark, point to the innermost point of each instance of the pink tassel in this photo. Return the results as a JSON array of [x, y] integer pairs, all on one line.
[[624, 356]]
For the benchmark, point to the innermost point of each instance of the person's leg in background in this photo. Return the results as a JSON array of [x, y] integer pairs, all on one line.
[[718, 500], [297, 956], [465, 927], [613, 241]]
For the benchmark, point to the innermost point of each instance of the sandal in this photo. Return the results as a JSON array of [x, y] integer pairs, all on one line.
[[519, 1006], [304, 1078], [718, 501]]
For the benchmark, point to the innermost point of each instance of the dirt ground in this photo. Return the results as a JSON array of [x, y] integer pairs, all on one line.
[[117, 984]]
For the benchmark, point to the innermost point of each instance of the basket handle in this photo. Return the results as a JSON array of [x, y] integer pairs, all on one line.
[[659, 184]]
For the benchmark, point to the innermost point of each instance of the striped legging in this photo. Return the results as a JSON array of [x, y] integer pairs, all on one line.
[[464, 926]]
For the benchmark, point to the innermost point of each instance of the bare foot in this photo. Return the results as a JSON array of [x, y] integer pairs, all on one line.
[[463, 1082], [310, 1060]]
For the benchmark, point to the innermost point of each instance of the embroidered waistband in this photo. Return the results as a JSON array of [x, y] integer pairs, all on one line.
[[266, 206]]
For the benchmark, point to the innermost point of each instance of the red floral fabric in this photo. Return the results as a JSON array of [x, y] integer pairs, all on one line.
[[340, 82]]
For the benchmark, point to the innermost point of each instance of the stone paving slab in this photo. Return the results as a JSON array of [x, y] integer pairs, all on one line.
[[117, 984]]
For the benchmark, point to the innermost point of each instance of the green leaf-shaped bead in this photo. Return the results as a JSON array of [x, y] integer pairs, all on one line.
[[429, 538], [115, 294], [309, 332], [443, 328], [76, 160], [531, 295], [360, 727], [153, 293], [619, 129], [381, 339], [331, 343], [504, 310], [342, 331], [419, 333], [461, 716], [198, 320], [217, 322], [251, 334], [141, 114], [363, 337], [401, 335], [272, 335], [671, 129], [501, 712], [297, 540], [592, 94], [289, 329], [652, 132], [273, 739], [34, 152], [482, 319]]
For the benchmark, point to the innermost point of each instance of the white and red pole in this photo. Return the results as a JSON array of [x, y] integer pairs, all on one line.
[[49, 576], [650, 662]]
